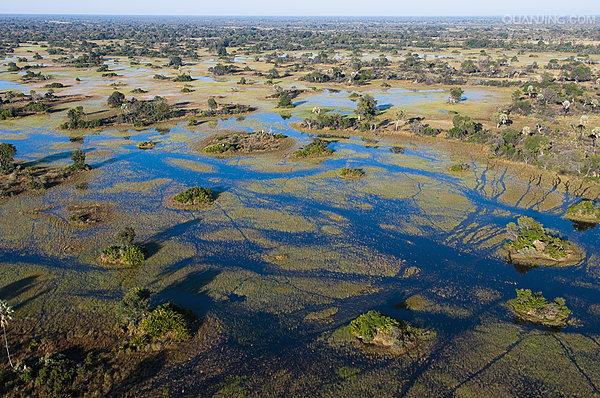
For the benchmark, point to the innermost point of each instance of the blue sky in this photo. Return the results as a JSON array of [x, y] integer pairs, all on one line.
[[304, 7]]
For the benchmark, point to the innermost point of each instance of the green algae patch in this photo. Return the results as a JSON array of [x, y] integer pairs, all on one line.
[[533, 245], [342, 258], [533, 307], [375, 333], [422, 304], [585, 211], [138, 186], [192, 165], [280, 294]]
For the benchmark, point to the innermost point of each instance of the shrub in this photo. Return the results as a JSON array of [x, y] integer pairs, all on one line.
[[349, 174], [7, 156], [116, 99], [366, 326], [165, 322], [78, 158], [317, 148], [195, 196], [56, 376], [134, 305], [534, 307]]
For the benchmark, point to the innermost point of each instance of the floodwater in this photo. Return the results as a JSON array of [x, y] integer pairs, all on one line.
[[407, 212]]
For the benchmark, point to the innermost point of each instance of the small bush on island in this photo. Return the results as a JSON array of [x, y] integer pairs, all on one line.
[[116, 99], [533, 245], [584, 211], [165, 322], [247, 143], [317, 148], [78, 158], [460, 167], [533, 307], [195, 196], [375, 332], [125, 252], [146, 145], [352, 174], [183, 78]]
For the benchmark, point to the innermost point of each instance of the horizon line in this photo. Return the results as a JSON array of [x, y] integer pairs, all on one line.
[[296, 16]]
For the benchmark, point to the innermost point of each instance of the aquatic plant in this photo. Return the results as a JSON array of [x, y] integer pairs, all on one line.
[[195, 196], [534, 307], [317, 148], [585, 211]]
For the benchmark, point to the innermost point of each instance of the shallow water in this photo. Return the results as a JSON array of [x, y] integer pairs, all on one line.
[[408, 212]]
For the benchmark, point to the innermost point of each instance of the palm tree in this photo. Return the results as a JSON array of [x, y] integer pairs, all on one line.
[[5, 317]]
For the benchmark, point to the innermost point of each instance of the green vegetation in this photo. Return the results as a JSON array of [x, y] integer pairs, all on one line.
[[116, 99], [7, 158], [352, 174], [532, 245], [460, 167], [240, 142], [367, 326], [78, 158], [316, 149], [378, 333], [146, 145], [195, 196], [165, 322], [533, 307], [125, 252], [584, 211], [456, 94], [76, 120], [467, 130], [183, 78]]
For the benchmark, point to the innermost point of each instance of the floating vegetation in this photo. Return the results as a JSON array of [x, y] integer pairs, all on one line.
[[378, 333], [585, 211], [533, 245], [533, 307]]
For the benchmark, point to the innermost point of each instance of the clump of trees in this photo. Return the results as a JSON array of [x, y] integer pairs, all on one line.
[[125, 252], [7, 158]]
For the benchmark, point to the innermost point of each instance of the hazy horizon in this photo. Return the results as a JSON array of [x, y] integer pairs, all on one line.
[[307, 8]]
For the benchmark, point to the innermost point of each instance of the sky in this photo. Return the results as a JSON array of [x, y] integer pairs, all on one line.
[[304, 7]]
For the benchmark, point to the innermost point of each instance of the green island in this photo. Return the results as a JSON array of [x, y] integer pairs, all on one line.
[[374, 332], [532, 245], [533, 307], [236, 143], [585, 211]]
